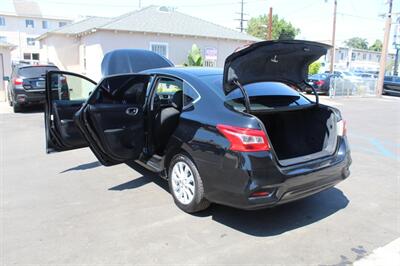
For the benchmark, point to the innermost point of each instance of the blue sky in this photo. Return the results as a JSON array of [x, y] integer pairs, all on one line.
[[314, 17]]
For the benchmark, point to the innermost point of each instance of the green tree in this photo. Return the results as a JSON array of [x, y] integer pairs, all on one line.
[[194, 57], [357, 42], [314, 67], [376, 46], [281, 29]]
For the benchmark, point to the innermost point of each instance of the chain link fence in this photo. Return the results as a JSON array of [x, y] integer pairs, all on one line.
[[344, 87]]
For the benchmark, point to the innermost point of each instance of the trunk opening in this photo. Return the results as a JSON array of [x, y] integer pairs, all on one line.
[[301, 135]]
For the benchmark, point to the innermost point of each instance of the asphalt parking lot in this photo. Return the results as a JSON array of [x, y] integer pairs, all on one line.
[[66, 208]]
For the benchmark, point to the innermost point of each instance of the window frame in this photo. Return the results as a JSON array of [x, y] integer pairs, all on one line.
[[29, 25], [45, 24], [160, 44], [28, 39]]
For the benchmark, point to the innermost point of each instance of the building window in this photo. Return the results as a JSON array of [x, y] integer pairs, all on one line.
[[159, 48], [30, 41], [364, 56], [3, 39], [2, 21], [353, 56], [62, 24], [35, 56], [27, 56], [29, 23], [210, 63], [45, 24]]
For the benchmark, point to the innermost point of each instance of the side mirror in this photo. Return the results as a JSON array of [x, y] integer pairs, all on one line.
[[6, 78]]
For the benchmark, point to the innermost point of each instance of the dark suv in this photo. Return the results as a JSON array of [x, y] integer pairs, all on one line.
[[27, 85]]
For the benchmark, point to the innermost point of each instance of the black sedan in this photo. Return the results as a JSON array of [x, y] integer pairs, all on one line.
[[241, 136], [320, 82]]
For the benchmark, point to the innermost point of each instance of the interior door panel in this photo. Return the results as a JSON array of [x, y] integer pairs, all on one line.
[[66, 93], [120, 131], [64, 111]]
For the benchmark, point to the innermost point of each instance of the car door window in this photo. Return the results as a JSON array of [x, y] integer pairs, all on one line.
[[70, 87], [169, 93], [190, 95]]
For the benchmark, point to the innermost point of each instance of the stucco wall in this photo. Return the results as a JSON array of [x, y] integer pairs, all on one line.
[[62, 51], [5, 66], [101, 42], [70, 53]]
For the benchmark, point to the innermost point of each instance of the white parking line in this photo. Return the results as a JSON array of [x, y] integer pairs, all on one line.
[[388, 255]]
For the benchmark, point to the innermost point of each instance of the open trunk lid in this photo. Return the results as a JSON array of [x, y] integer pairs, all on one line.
[[284, 61]]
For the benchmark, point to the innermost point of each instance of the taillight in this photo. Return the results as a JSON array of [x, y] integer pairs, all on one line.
[[319, 83], [17, 81], [341, 128], [244, 139]]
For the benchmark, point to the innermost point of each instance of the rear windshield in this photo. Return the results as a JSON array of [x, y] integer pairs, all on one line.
[[35, 71], [263, 95]]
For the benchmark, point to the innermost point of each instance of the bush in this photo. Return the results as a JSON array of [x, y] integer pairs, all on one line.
[[314, 68]]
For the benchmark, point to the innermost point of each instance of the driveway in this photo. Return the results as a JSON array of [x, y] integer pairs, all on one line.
[[66, 208]]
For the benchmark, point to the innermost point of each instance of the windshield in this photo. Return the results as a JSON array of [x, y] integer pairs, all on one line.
[[263, 95], [35, 71]]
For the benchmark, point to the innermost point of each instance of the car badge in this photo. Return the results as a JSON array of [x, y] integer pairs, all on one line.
[[274, 60]]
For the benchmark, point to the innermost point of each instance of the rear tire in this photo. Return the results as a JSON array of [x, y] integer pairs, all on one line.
[[16, 108], [186, 185]]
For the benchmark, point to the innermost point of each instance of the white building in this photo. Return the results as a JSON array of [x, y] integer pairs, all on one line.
[[22, 30], [357, 59], [80, 47]]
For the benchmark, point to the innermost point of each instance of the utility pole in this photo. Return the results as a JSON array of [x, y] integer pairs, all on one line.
[[241, 19], [140, 4], [382, 66], [269, 37], [333, 37]]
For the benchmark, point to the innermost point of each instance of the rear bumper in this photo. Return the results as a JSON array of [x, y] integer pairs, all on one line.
[[26, 97], [261, 173]]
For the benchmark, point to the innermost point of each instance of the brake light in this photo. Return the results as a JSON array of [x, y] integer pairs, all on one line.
[[17, 81], [244, 139], [319, 83], [341, 128]]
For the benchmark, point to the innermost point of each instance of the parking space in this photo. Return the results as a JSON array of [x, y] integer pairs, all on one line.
[[66, 208]]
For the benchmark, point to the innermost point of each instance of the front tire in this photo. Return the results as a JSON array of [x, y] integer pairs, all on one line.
[[186, 185]]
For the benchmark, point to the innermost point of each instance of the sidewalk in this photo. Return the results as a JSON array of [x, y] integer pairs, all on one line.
[[2, 95]]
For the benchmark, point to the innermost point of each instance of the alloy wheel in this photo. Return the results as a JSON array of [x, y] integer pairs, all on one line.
[[183, 184]]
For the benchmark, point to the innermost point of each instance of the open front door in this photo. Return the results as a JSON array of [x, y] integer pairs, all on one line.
[[66, 93], [112, 119]]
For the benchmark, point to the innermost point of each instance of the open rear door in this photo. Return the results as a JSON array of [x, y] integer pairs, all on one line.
[[66, 92], [112, 119]]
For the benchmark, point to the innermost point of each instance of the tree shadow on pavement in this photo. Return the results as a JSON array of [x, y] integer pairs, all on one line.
[[260, 223]]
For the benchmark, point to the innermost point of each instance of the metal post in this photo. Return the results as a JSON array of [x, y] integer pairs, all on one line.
[[382, 66], [396, 63]]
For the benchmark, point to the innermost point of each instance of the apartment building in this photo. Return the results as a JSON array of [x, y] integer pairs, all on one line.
[[22, 30], [358, 59]]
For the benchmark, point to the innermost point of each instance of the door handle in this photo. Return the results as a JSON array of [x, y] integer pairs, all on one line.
[[132, 111]]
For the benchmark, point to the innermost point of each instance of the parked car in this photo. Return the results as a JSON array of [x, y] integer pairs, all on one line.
[[27, 85], [320, 82], [346, 75], [391, 85], [240, 136]]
